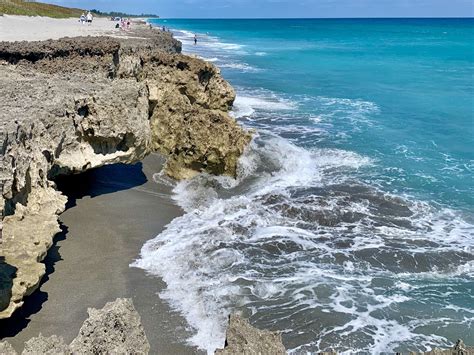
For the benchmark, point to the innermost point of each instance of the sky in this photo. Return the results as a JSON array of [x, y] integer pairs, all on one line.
[[281, 8]]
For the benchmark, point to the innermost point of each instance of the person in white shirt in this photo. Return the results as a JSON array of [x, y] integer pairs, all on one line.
[[89, 18]]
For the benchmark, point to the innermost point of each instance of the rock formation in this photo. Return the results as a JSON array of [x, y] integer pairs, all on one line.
[[80, 103], [6, 349], [114, 329], [46, 345], [242, 338]]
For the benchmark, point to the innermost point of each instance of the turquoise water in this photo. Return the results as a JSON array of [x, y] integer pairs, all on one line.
[[350, 225]]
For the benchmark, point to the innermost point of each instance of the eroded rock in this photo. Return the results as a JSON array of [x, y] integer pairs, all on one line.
[[6, 348], [52, 345], [80, 103], [114, 329], [242, 338]]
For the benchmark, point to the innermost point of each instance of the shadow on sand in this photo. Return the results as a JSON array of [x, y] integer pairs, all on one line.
[[104, 180], [7, 273]]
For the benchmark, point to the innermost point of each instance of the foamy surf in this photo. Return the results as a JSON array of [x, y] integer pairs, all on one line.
[[289, 239], [323, 236]]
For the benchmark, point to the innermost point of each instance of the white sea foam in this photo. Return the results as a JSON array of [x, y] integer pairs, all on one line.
[[214, 258], [297, 237], [240, 66], [247, 103], [246, 106]]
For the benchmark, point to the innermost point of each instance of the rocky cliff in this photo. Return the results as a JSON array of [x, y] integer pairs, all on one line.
[[74, 104]]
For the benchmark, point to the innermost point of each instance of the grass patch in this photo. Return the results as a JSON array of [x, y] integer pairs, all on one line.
[[25, 8]]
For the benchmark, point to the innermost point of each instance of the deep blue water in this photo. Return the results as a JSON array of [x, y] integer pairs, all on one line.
[[351, 223]]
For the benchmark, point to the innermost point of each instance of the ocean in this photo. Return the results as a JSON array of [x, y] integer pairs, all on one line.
[[350, 226]]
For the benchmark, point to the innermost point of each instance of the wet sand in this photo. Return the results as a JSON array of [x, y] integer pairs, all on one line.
[[112, 212]]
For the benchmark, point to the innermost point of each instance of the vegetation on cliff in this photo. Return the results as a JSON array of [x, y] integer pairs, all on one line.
[[34, 8], [29, 8]]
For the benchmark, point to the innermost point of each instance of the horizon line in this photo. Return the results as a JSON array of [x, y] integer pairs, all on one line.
[[317, 18]]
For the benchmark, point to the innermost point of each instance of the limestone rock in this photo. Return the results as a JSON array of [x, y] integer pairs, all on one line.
[[52, 345], [7, 349], [75, 104], [242, 338], [114, 329]]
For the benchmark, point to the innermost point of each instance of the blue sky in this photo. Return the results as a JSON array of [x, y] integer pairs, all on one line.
[[282, 8]]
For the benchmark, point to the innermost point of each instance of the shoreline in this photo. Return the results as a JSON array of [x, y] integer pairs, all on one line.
[[117, 209], [111, 212]]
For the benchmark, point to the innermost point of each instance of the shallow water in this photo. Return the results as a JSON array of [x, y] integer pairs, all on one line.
[[350, 226]]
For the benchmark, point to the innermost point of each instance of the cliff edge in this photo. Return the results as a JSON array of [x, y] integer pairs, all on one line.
[[74, 104]]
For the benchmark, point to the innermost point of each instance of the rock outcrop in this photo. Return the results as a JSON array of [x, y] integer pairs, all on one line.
[[74, 104], [114, 329], [46, 345], [242, 338], [6, 349]]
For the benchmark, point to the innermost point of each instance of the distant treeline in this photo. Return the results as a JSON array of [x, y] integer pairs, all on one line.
[[119, 14]]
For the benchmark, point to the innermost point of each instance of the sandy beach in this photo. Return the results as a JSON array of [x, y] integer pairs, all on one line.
[[112, 212], [26, 28]]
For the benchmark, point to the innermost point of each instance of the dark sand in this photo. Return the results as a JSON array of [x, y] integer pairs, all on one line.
[[112, 212]]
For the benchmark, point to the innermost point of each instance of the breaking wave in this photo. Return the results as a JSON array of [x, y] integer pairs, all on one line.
[[298, 249], [308, 241]]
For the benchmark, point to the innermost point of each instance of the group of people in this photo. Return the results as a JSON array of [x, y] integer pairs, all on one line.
[[86, 18], [125, 24]]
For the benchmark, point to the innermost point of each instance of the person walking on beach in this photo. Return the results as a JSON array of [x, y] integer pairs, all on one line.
[[82, 19], [89, 18], [195, 40]]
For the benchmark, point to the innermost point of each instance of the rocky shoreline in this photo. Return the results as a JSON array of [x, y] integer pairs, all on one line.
[[117, 329], [76, 104], [81, 103]]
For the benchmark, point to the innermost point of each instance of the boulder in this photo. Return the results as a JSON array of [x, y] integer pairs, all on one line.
[[114, 329], [242, 338]]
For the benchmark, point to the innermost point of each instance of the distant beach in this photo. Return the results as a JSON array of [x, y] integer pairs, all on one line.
[[26, 28]]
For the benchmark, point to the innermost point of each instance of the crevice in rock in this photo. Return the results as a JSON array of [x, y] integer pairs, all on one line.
[[83, 111]]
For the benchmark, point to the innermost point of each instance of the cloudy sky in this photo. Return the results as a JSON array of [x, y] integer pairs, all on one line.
[[282, 8]]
